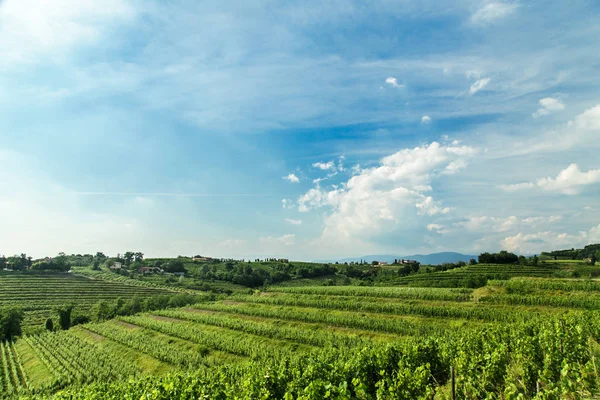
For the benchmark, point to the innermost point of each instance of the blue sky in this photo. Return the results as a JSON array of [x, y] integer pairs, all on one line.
[[309, 130]]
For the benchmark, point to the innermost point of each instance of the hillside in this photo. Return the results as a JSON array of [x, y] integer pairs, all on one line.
[[306, 341], [426, 259]]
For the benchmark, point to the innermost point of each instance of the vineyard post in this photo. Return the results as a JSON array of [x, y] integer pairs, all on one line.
[[452, 383], [538, 388]]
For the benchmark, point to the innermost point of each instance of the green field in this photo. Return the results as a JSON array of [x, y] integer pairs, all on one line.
[[523, 330], [39, 293]]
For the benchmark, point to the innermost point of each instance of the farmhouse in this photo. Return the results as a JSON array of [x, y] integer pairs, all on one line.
[[116, 266], [151, 270]]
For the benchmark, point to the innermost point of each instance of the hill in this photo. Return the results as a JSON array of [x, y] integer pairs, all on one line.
[[427, 259]]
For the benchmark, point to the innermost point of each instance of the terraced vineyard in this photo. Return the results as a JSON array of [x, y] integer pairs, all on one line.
[[232, 345], [476, 275], [295, 323], [38, 294]]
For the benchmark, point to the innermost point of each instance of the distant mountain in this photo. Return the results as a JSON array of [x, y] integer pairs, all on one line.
[[433, 259]]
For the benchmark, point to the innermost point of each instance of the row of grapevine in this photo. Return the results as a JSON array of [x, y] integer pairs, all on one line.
[[108, 276], [72, 359], [584, 301], [345, 319], [424, 309], [162, 348], [412, 293], [525, 285], [549, 359], [13, 379], [222, 339], [276, 329]]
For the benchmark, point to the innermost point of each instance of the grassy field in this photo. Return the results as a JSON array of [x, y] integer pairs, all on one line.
[[251, 328]]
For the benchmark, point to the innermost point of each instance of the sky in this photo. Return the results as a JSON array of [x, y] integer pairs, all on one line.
[[308, 130]]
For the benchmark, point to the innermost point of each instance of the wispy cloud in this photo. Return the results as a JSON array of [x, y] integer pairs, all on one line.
[[293, 221], [140, 195], [491, 11], [478, 85]]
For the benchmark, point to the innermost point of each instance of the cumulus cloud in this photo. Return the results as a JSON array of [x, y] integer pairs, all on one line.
[[393, 82], [390, 196], [293, 221], [324, 166], [478, 85], [548, 104], [425, 119], [570, 181], [492, 11], [292, 178]]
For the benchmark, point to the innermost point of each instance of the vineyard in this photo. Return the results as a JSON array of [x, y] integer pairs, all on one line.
[[39, 294], [526, 337]]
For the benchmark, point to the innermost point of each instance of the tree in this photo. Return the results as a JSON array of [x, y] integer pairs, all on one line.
[[64, 316], [177, 266], [128, 258], [10, 323], [138, 256], [102, 311], [49, 325], [504, 257], [472, 261]]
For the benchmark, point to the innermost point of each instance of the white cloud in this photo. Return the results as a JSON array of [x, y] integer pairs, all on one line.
[[285, 240], [324, 166], [455, 166], [434, 227], [478, 85], [428, 206], [292, 178], [589, 119], [287, 203], [386, 197], [393, 82], [570, 181], [486, 224], [528, 243], [548, 104], [314, 198], [30, 29], [425, 119], [492, 11], [293, 221]]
